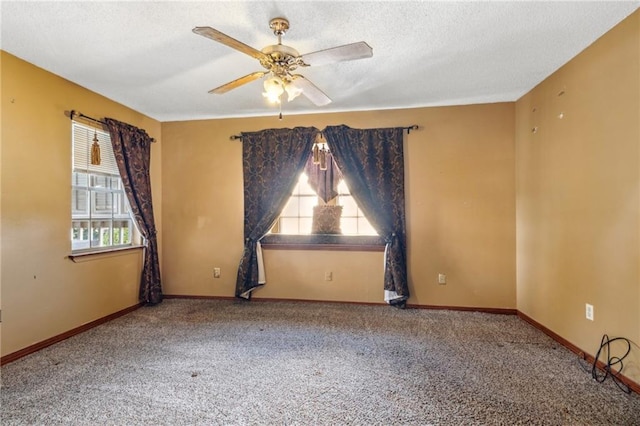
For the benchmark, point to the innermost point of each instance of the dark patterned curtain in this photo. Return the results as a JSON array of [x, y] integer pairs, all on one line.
[[271, 160], [372, 162], [324, 182], [132, 149]]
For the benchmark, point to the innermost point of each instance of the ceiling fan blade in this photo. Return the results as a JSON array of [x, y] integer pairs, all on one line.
[[348, 52], [229, 41], [237, 83], [310, 90]]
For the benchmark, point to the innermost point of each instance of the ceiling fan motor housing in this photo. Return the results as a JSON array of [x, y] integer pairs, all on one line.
[[280, 55]]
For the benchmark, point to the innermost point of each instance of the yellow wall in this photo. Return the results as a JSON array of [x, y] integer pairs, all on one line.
[[578, 195], [460, 190], [45, 294]]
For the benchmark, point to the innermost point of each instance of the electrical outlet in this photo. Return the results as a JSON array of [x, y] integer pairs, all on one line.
[[216, 272], [328, 276], [442, 279], [589, 312]]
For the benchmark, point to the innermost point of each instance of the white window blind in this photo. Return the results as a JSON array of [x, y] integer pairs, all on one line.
[[82, 141]]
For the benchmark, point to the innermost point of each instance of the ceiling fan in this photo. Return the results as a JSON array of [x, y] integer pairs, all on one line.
[[280, 61]]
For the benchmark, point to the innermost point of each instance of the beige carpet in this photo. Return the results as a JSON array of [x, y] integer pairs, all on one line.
[[207, 362]]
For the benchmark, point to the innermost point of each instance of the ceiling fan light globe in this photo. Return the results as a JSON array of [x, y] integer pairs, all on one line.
[[272, 97], [292, 91], [273, 85], [273, 88]]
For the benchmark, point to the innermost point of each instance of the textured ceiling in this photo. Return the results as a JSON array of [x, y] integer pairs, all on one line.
[[144, 55]]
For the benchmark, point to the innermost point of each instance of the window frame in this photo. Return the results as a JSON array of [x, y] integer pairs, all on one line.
[[328, 242], [98, 182]]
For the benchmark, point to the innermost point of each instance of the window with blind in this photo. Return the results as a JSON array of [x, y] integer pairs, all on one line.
[[100, 214], [297, 216]]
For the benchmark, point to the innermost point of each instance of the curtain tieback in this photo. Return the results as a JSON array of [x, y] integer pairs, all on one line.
[[151, 233], [389, 239]]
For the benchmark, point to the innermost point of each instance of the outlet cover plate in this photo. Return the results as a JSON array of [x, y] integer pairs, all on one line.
[[589, 312]]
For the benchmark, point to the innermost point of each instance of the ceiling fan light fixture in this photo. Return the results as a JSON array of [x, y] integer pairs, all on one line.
[[273, 88], [279, 62], [293, 91]]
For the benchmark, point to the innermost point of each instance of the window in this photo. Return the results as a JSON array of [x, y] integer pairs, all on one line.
[[297, 216], [352, 221], [100, 214]]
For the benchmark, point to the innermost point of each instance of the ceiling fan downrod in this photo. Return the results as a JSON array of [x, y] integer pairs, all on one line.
[[281, 58], [279, 27]]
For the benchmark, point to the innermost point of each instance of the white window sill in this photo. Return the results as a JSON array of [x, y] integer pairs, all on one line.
[[327, 242], [85, 256]]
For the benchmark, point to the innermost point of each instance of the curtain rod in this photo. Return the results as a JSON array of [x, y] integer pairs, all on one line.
[[73, 114], [408, 129]]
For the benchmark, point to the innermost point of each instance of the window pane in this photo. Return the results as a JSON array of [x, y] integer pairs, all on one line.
[[306, 205], [115, 182], [99, 181], [102, 203], [100, 233], [304, 187], [365, 228], [289, 225], [105, 236], [79, 179], [342, 187], [121, 232], [79, 202], [349, 225], [349, 206], [291, 209], [305, 225], [120, 207], [79, 234], [125, 204]]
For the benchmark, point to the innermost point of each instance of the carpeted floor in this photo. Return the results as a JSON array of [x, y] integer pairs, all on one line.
[[209, 362]]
